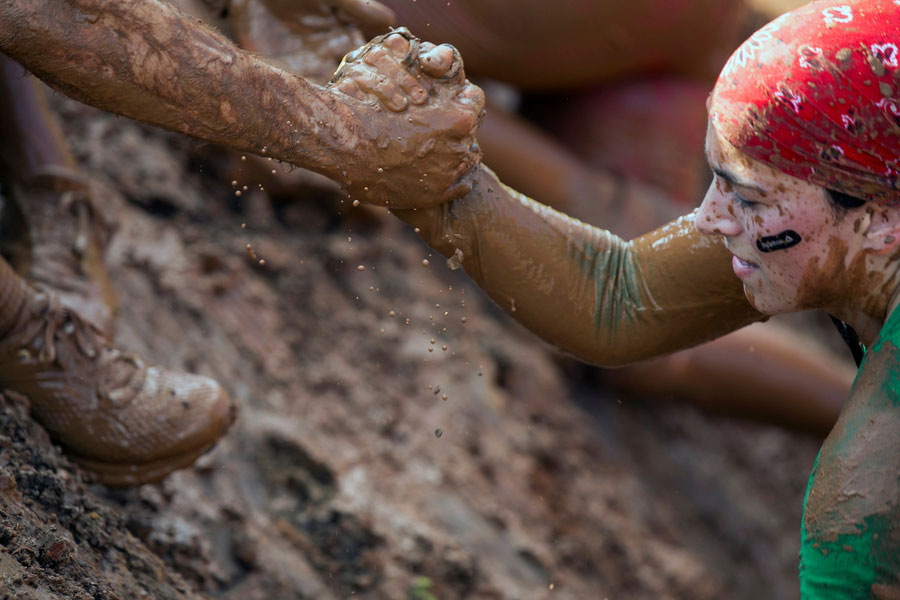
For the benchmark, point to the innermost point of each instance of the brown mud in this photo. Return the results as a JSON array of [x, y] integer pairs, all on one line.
[[333, 482]]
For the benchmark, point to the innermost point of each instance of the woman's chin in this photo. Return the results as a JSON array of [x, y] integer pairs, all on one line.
[[766, 305]]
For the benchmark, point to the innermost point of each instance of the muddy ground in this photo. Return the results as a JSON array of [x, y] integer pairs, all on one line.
[[368, 461]]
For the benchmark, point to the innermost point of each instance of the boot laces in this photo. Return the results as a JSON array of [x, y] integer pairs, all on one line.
[[42, 316]]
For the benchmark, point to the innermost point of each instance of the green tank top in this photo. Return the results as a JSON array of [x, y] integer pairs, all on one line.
[[854, 565]]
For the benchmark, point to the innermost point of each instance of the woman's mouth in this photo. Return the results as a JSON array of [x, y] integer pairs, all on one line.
[[742, 268]]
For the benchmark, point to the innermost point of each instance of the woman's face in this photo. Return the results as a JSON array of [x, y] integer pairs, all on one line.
[[790, 251]]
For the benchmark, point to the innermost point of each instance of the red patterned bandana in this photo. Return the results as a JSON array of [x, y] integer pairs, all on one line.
[[816, 94]]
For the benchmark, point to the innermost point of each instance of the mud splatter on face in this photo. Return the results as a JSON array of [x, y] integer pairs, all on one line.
[[832, 282]]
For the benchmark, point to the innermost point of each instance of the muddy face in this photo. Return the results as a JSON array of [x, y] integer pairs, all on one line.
[[790, 249]]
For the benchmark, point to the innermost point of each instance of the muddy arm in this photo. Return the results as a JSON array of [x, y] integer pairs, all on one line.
[[584, 290], [146, 60]]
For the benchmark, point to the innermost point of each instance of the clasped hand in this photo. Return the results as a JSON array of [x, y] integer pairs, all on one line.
[[423, 128]]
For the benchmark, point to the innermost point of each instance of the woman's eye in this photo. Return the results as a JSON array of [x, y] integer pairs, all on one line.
[[744, 203]]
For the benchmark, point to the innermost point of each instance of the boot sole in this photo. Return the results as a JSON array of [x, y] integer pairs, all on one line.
[[128, 475]]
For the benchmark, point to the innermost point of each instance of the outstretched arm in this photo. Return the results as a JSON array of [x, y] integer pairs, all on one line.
[[581, 288], [146, 60]]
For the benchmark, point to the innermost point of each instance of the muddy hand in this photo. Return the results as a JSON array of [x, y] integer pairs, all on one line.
[[421, 115]]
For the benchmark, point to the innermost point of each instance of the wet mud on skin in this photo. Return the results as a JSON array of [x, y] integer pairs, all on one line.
[[827, 281], [332, 482], [854, 499], [581, 288], [220, 87]]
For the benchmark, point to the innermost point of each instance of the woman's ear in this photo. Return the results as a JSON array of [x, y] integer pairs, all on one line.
[[881, 228]]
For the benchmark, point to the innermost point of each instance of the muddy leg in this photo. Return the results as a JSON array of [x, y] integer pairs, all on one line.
[[761, 372], [66, 223], [535, 44], [310, 45], [650, 130], [532, 162], [124, 420]]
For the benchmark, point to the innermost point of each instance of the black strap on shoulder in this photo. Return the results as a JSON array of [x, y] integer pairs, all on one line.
[[852, 339]]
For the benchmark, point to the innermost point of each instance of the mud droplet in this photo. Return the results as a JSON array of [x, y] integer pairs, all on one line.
[[233, 182], [238, 193], [438, 432], [392, 314], [355, 203], [444, 397], [444, 348], [262, 262], [425, 262], [463, 319], [455, 261], [243, 226], [361, 268], [417, 230], [243, 158]]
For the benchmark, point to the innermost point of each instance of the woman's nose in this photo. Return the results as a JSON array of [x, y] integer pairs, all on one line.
[[716, 214]]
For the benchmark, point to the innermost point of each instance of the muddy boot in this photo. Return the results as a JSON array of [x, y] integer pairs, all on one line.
[[125, 421], [67, 238]]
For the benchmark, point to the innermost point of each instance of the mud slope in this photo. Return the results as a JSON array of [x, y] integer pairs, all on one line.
[[368, 461]]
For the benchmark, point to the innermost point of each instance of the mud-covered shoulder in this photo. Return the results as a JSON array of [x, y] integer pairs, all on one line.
[[850, 517]]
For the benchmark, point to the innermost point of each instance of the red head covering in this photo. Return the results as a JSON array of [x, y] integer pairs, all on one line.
[[816, 94]]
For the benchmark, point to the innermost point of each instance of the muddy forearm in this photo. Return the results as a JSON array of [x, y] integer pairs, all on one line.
[[145, 60], [581, 288]]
